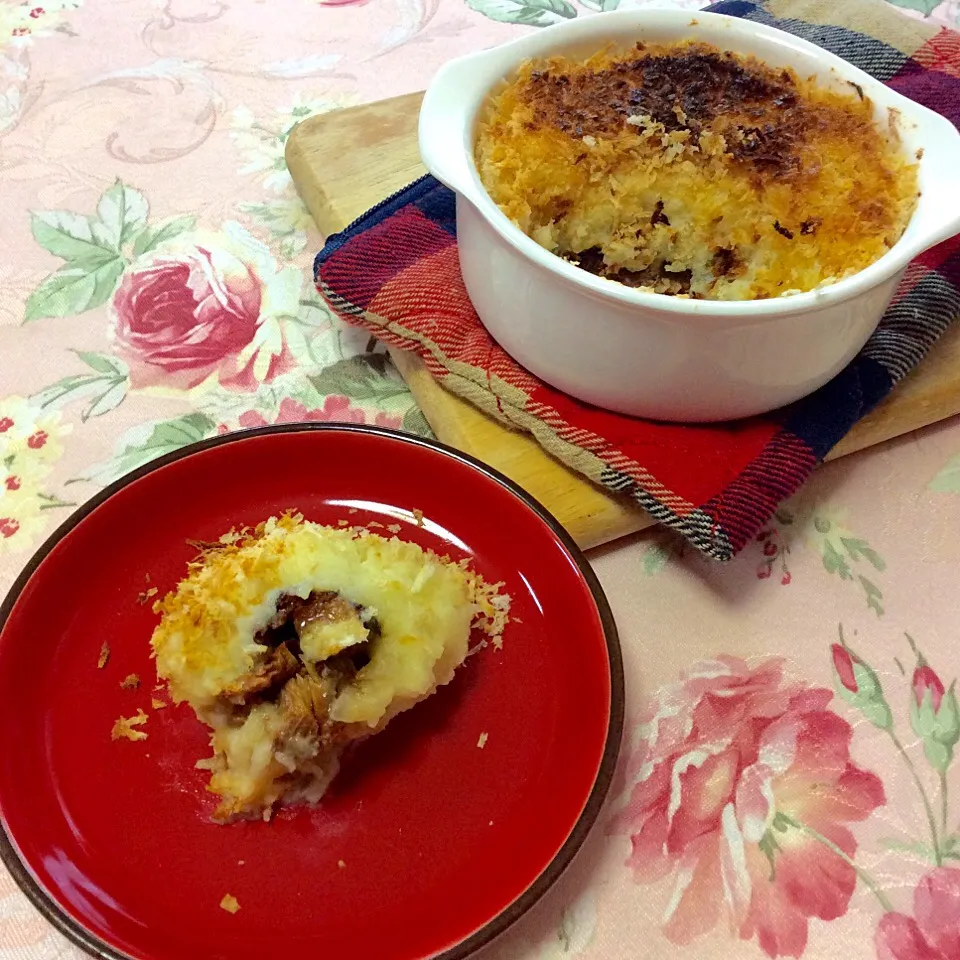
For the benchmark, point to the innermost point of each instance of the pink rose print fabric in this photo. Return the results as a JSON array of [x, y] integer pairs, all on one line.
[[744, 787], [191, 315], [334, 409], [788, 784], [933, 932]]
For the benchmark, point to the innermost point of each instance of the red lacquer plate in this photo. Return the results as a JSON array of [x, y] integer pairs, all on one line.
[[437, 834]]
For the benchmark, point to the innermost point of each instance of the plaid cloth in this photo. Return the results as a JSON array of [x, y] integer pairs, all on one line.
[[395, 273]]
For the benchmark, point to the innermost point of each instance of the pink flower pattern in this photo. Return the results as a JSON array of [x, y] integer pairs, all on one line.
[[335, 409], [744, 791], [933, 932], [925, 680], [183, 317]]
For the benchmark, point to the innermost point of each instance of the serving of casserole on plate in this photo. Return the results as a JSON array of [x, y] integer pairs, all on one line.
[[293, 640]]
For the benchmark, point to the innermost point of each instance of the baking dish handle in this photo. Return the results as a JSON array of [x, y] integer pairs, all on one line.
[[938, 212], [445, 128]]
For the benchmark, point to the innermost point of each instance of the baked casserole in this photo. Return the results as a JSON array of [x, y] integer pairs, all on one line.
[[684, 169]]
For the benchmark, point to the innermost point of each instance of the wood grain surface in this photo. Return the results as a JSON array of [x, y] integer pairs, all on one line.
[[345, 161]]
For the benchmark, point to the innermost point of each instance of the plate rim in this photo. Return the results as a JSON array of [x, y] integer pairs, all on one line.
[[92, 944]]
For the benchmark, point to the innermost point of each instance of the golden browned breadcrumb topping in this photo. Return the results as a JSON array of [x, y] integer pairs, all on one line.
[[123, 728], [687, 170], [145, 595], [229, 903]]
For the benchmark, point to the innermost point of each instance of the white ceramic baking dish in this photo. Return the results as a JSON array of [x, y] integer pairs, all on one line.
[[648, 354]]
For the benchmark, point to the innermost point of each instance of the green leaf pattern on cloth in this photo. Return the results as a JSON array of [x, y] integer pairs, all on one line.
[[107, 382], [926, 7], [78, 286], [800, 523], [150, 440], [153, 237], [530, 13], [92, 248], [214, 316], [948, 479]]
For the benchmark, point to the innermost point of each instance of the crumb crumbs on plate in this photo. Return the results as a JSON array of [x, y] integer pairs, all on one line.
[[203, 546], [157, 704], [375, 524], [130, 682], [353, 510], [477, 647], [394, 527], [104, 655], [123, 729], [498, 643], [343, 523], [491, 823], [482, 742], [417, 516], [240, 863], [229, 903], [341, 864], [144, 595]]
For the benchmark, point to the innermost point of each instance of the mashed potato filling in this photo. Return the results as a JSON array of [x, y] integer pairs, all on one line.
[[686, 170], [295, 639]]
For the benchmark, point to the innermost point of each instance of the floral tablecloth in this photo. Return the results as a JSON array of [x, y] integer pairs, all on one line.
[[787, 785]]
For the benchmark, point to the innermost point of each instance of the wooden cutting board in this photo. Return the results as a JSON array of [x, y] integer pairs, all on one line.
[[346, 161]]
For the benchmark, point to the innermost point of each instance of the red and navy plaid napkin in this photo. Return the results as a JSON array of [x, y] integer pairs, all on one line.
[[395, 273]]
